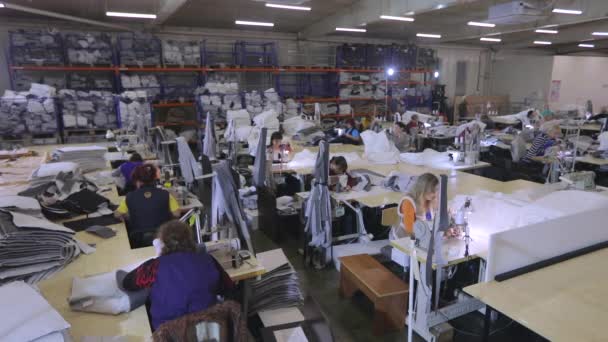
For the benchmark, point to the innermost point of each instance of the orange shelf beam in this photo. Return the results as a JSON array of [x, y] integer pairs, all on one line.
[[175, 104], [62, 68]]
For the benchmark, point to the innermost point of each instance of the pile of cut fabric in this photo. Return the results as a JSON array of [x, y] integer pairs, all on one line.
[[88, 158], [239, 125], [88, 81], [428, 157], [94, 109], [63, 192], [89, 48], [33, 111], [139, 49], [27, 316], [138, 81], [33, 249], [267, 119], [279, 286], [176, 52]]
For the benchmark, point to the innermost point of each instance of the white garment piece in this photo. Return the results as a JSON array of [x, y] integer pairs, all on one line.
[[26, 315], [53, 169], [427, 157], [379, 149], [603, 139], [407, 117], [268, 119], [240, 117], [294, 125], [21, 202], [42, 90]]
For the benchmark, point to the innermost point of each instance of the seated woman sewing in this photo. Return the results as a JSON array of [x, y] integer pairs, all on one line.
[[146, 208], [181, 280], [280, 152], [546, 138], [126, 171], [339, 167]]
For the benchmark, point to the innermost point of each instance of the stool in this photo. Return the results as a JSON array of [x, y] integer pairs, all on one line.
[[388, 293]]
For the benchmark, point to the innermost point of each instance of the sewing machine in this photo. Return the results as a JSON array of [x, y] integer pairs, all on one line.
[[583, 180]]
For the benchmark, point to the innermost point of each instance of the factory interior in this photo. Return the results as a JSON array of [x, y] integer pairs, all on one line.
[[303, 170]]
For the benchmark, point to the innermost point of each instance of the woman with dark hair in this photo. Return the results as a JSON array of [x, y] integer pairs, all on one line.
[[400, 137], [127, 168], [181, 280], [279, 151], [352, 134], [146, 208]]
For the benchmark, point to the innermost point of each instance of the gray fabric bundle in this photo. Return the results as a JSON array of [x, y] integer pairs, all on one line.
[[89, 48], [32, 249], [181, 53], [89, 158], [36, 47], [139, 49], [318, 206], [103, 293], [28, 112], [135, 110], [94, 109]]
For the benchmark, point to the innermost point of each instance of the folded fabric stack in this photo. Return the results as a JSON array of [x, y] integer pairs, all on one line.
[[249, 197], [279, 286], [88, 81], [32, 248], [135, 110], [254, 102], [292, 108], [28, 112], [179, 86], [94, 109], [36, 47], [22, 80], [182, 53], [89, 48], [139, 49], [88, 158], [139, 81], [21, 204], [27, 316]]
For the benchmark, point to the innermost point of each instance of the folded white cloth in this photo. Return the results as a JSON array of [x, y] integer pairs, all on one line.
[[379, 149]]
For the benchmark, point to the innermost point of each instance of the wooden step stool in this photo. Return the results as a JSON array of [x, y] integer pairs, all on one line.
[[388, 293]]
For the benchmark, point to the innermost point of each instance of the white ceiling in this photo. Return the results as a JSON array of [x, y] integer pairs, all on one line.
[[446, 17]]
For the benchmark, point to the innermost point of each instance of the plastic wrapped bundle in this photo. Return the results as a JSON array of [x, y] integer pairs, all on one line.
[[139, 49], [90, 81], [94, 109], [89, 48], [36, 47], [181, 53]]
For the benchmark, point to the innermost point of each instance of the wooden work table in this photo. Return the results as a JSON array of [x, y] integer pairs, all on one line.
[[565, 302]]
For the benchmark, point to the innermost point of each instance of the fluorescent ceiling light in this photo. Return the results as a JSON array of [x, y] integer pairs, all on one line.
[[131, 15], [390, 71], [600, 34], [486, 39], [348, 29], [542, 42], [567, 11], [428, 35], [297, 8], [476, 23], [1, 5], [253, 23], [586, 45], [410, 13], [391, 17], [546, 31]]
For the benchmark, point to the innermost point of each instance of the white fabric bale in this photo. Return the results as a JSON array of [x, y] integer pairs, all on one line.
[[379, 149]]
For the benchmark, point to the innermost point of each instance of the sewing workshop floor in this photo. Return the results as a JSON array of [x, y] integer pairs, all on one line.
[[351, 319]]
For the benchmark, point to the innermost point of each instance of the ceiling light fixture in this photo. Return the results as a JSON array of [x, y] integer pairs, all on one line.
[[546, 31], [586, 45], [486, 39], [542, 42], [131, 15], [1, 5], [348, 29], [428, 35], [567, 11], [476, 23], [599, 34], [392, 17], [410, 13], [253, 23], [297, 8]]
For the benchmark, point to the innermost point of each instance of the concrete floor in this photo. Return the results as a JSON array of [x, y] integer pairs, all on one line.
[[351, 319]]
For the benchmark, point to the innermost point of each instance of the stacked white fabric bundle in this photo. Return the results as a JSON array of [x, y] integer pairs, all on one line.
[[32, 248], [134, 109], [291, 108], [88, 158], [254, 103], [379, 149], [27, 316], [182, 53]]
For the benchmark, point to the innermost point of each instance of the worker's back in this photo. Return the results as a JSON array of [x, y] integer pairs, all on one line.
[[148, 209]]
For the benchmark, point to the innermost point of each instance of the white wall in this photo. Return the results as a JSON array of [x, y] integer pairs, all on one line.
[[476, 60], [582, 79], [523, 77]]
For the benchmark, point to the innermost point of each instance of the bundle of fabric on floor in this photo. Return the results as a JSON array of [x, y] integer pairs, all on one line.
[[33, 111], [88, 158], [278, 288], [89, 48], [33, 249], [94, 109], [27, 316]]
